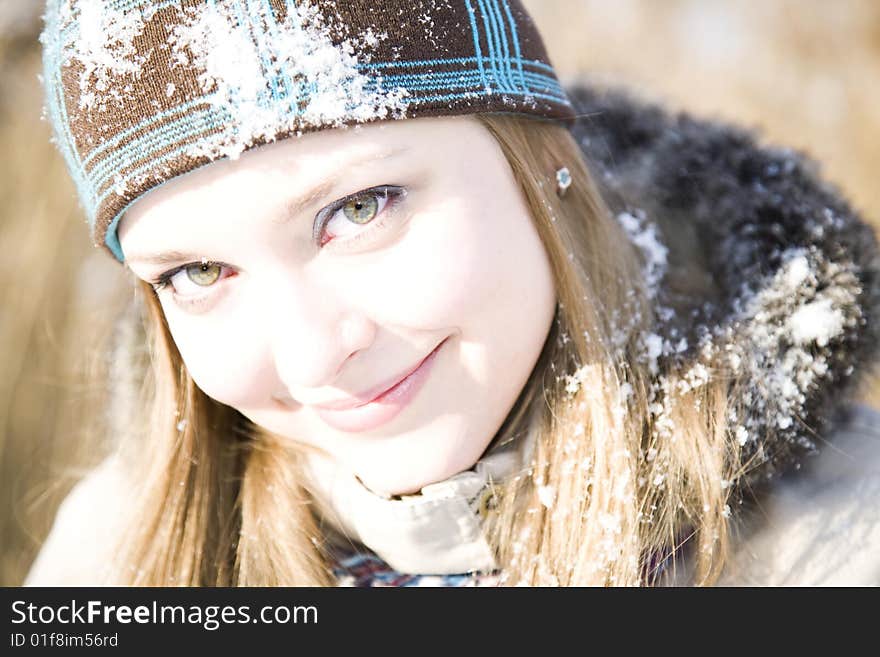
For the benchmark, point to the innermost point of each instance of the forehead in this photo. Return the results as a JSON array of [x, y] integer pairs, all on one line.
[[295, 172], [301, 160]]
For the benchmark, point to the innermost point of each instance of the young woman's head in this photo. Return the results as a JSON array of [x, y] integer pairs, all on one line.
[[444, 233], [378, 293], [426, 271]]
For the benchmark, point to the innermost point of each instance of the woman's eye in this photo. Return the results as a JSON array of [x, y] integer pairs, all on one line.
[[349, 216], [191, 279], [361, 210], [204, 273]]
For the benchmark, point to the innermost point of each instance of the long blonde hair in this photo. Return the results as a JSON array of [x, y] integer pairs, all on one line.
[[628, 463]]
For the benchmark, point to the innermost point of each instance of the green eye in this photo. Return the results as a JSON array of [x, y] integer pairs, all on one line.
[[362, 209], [204, 274]]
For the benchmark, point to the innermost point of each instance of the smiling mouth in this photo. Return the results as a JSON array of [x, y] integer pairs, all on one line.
[[385, 406]]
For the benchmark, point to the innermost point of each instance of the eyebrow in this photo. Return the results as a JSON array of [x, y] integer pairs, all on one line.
[[292, 208]]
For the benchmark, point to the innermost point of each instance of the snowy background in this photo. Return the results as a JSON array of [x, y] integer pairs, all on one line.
[[804, 72]]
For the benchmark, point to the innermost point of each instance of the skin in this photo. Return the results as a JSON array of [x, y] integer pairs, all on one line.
[[288, 323]]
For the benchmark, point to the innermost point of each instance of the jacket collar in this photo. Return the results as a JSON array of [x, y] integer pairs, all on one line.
[[436, 531]]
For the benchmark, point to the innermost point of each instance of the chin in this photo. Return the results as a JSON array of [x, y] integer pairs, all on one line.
[[405, 481], [406, 476]]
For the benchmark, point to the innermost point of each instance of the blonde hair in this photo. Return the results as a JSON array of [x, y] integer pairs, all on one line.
[[627, 463]]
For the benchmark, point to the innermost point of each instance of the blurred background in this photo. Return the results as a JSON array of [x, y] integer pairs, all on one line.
[[805, 73]]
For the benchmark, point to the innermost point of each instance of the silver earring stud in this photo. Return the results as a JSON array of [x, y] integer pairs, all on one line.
[[563, 181]]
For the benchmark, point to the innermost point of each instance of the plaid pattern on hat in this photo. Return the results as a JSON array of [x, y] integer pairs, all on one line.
[[141, 91]]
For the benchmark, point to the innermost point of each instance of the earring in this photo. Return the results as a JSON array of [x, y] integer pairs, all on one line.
[[563, 181]]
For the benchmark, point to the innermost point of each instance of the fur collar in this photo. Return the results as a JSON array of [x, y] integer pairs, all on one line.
[[749, 252]]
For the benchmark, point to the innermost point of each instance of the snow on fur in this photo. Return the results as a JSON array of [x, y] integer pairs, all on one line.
[[788, 330]]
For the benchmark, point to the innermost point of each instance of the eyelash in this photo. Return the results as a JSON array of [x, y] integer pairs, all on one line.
[[391, 193]]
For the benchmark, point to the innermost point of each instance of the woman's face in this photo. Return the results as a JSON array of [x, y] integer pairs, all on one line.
[[379, 293]]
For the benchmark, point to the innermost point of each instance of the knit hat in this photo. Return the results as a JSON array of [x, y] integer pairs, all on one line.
[[141, 91]]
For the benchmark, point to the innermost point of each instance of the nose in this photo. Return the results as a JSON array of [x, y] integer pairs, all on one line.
[[315, 333]]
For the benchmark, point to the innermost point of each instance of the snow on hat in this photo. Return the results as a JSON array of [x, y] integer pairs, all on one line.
[[141, 91]]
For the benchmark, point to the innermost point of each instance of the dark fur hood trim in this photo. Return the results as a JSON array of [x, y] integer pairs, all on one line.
[[759, 260]]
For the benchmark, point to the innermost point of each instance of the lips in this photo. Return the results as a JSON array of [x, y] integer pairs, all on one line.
[[370, 395], [384, 407]]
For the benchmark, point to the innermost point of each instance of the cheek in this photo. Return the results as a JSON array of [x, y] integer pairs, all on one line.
[[229, 365], [466, 259]]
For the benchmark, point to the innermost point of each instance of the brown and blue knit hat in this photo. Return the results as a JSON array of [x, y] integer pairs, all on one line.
[[141, 91]]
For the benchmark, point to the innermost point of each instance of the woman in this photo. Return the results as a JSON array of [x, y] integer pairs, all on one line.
[[414, 312]]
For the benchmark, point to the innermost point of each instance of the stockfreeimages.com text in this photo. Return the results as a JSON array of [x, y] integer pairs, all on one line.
[[211, 617]]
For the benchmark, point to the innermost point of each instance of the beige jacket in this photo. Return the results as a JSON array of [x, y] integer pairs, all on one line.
[[817, 526], [821, 524]]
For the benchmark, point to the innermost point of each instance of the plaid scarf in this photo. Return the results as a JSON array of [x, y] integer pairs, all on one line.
[[364, 569]]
